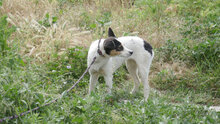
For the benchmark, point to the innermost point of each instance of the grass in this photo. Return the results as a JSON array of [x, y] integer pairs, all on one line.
[[28, 86], [202, 78], [33, 85], [47, 53]]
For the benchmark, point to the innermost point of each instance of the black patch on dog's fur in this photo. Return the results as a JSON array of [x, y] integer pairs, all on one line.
[[112, 44], [148, 47]]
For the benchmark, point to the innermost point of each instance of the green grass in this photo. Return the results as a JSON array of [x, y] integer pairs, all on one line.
[[5, 32], [201, 83], [198, 50], [25, 86]]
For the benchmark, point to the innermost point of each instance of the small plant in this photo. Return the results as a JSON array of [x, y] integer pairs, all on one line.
[[5, 32], [104, 19], [46, 20], [1, 2], [92, 23], [86, 21]]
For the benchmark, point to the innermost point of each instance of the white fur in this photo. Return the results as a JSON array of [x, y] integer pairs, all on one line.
[[138, 63]]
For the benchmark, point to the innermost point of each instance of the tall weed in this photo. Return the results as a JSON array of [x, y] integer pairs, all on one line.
[[5, 32]]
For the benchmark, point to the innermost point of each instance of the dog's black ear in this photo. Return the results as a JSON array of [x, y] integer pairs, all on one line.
[[111, 33]]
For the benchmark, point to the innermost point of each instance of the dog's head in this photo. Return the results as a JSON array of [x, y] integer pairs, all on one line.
[[113, 47]]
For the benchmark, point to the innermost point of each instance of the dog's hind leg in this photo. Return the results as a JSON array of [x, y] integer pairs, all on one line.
[[133, 70], [143, 69], [93, 80]]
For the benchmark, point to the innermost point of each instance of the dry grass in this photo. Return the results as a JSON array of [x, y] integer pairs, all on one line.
[[129, 20], [41, 42], [37, 40], [177, 68]]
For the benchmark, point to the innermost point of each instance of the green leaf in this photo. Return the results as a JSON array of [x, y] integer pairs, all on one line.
[[11, 61], [92, 26], [54, 19], [47, 16], [0, 2], [63, 94]]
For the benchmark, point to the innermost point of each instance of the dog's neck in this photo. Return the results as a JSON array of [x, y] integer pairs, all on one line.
[[101, 59], [100, 49], [100, 52]]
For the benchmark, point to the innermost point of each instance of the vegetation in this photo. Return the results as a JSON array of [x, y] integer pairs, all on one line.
[[43, 50]]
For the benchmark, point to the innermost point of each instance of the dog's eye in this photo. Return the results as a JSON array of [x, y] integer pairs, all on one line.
[[120, 48]]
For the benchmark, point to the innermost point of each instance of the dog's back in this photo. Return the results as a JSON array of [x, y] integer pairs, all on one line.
[[137, 44], [141, 50]]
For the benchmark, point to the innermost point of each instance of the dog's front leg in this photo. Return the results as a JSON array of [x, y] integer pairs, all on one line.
[[108, 80], [93, 79]]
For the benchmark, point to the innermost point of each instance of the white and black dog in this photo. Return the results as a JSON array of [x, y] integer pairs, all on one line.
[[113, 52]]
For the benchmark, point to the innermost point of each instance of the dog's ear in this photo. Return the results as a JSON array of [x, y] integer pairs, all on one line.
[[111, 33]]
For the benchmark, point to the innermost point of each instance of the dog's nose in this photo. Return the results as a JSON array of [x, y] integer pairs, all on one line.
[[131, 52]]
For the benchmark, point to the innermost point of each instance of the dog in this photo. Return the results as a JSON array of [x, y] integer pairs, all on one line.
[[112, 52]]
